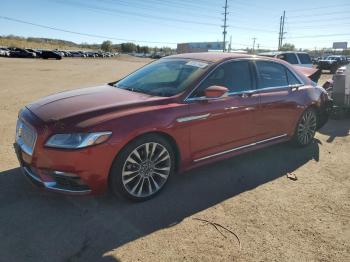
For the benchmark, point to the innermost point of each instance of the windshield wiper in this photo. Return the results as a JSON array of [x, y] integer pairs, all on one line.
[[137, 90]]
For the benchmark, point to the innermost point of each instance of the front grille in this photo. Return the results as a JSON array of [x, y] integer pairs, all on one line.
[[324, 64], [25, 136], [69, 183]]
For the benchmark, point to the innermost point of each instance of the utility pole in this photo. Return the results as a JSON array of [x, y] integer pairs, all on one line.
[[282, 30], [230, 45], [225, 26], [254, 38], [279, 34]]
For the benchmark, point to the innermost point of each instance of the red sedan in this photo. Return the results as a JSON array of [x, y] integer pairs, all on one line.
[[172, 115]]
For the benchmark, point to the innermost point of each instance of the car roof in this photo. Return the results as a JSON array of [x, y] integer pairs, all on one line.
[[273, 53], [212, 56]]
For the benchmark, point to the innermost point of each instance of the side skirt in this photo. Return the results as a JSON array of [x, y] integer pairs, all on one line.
[[261, 142]]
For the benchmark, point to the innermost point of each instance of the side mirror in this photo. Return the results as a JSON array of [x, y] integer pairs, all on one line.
[[215, 91]]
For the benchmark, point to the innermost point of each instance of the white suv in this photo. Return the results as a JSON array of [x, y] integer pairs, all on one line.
[[294, 58]]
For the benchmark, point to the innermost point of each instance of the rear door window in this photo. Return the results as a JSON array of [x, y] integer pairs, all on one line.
[[271, 74], [289, 57], [304, 59]]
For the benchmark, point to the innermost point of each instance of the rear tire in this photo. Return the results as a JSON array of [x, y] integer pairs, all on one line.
[[306, 128], [142, 168]]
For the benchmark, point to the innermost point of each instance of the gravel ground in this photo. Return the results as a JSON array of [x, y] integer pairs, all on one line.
[[261, 215]]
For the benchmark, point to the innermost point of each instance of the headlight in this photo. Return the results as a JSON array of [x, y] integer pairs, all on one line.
[[77, 140]]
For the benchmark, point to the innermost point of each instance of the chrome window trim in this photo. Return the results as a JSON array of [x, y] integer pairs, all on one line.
[[203, 98], [256, 90], [239, 148], [280, 87], [249, 92]]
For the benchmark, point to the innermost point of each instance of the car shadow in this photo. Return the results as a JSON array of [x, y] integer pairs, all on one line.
[[42, 226], [336, 128]]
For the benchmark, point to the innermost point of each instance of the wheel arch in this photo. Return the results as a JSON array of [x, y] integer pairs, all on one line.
[[319, 113], [162, 134]]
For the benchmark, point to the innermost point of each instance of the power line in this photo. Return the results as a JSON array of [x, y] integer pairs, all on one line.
[[100, 36], [317, 20], [314, 36], [157, 8], [84, 34], [322, 26], [93, 7], [163, 24], [176, 4], [321, 14], [146, 16], [317, 8]]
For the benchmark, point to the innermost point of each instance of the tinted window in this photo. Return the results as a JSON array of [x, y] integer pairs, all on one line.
[[304, 59], [292, 80], [271, 74], [289, 57], [235, 76]]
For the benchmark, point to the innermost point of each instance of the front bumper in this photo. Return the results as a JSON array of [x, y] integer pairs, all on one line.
[[66, 171], [54, 181], [326, 66]]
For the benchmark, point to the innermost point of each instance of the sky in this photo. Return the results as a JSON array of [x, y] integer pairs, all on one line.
[[311, 24]]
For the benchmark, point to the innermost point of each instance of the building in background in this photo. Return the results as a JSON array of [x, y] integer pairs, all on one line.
[[199, 47], [340, 45]]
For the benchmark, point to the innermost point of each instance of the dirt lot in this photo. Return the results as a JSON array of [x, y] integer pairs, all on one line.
[[274, 218]]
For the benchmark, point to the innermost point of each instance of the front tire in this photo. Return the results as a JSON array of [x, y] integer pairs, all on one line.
[[142, 168], [306, 128]]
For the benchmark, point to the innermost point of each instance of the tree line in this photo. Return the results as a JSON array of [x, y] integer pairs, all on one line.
[[108, 46]]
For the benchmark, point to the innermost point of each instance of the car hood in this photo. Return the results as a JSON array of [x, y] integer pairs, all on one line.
[[82, 101]]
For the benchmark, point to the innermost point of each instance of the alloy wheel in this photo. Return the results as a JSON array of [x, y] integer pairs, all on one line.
[[307, 127], [146, 170]]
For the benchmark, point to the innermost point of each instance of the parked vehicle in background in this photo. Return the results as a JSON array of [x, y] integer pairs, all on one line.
[[344, 60], [332, 63], [314, 60], [174, 114], [298, 59], [4, 52], [67, 54], [91, 54], [294, 58], [47, 54], [37, 52], [76, 54], [21, 53]]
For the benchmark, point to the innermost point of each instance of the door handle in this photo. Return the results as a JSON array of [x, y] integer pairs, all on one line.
[[247, 94]]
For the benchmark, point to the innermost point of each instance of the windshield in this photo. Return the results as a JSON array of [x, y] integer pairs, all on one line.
[[165, 77]]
